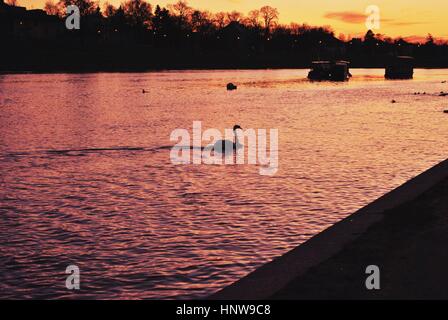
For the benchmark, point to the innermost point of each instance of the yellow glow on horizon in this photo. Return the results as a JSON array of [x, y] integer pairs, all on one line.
[[407, 18]]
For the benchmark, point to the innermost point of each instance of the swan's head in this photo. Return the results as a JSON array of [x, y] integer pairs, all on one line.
[[236, 127]]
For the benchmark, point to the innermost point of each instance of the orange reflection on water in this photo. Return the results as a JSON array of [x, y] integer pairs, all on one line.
[[86, 176]]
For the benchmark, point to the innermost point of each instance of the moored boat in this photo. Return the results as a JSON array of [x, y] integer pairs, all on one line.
[[329, 70], [400, 67]]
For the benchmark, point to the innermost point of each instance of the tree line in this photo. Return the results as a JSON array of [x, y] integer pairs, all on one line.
[[139, 13], [137, 34]]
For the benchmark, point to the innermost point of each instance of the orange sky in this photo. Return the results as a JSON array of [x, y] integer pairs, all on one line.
[[408, 18]]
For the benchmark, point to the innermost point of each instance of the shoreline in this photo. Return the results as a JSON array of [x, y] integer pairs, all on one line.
[[147, 70], [392, 231]]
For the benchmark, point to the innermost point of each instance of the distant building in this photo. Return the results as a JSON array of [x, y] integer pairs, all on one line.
[[19, 23], [7, 15]]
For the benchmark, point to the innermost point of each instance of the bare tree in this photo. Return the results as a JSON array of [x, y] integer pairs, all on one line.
[[200, 20], [52, 8], [253, 18], [220, 19], [234, 16], [109, 10], [138, 12], [181, 9], [269, 15], [295, 28], [13, 3], [86, 7]]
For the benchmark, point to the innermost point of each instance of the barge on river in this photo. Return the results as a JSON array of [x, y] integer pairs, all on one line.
[[329, 70], [400, 67]]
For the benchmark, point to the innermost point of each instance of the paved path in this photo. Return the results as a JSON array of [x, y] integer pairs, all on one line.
[[404, 233]]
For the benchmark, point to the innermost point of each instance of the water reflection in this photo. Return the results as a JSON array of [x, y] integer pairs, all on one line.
[[86, 177]]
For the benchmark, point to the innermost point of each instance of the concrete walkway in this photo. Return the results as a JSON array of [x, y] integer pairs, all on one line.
[[404, 233]]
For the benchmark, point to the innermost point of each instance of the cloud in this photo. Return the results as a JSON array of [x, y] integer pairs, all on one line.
[[404, 23], [415, 39], [346, 16], [423, 39], [356, 18]]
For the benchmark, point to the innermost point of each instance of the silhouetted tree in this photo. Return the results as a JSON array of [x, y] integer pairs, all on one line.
[[220, 19], [269, 15], [138, 12], [53, 9], [234, 16], [109, 10], [199, 38], [370, 36], [253, 18], [181, 11], [117, 19], [86, 7], [13, 3], [201, 21], [164, 26]]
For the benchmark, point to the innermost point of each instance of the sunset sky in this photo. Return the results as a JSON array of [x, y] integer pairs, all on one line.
[[408, 18]]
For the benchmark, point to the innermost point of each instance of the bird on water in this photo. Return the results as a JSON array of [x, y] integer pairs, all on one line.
[[227, 146]]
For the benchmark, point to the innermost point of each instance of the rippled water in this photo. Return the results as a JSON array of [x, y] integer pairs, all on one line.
[[86, 177]]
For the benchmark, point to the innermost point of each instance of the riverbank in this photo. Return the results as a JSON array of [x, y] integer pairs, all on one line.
[[81, 58], [404, 233], [146, 70]]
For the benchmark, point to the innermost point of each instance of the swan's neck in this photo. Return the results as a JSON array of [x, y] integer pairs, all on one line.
[[235, 138]]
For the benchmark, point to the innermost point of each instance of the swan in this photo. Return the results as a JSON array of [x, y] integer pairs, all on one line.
[[227, 146]]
